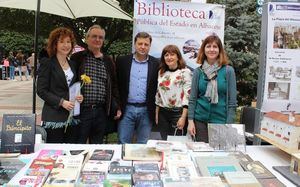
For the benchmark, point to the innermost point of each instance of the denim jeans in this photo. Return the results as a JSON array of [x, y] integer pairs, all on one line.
[[134, 118], [11, 72], [20, 73]]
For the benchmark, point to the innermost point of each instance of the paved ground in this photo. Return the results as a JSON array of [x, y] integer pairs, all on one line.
[[16, 98]]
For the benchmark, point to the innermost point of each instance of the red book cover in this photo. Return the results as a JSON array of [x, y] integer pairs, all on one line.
[[42, 164]]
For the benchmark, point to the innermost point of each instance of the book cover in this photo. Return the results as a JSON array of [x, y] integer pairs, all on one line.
[[199, 146], [162, 146], [241, 156], [37, 172], [102, 154], [62, 177], [226, 136], [110, 176], [144, 177], [18, 133], [181, 170], [146, 167], [271, 183], [140, 152], [42, 164], [214, 166], [48, 154], [34, 181], [41, 174], [8, 169], [96, 165], [258, 169], [90, 179], [69, 161], [241, 178], [150, 183], [120, 169], [195, 182], [85, 153], [117, 182]]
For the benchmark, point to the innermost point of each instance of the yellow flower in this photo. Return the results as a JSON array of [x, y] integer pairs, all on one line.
[[85, 79]]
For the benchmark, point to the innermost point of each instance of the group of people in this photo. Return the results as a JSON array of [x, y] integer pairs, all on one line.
[[137, 90], [18, 60]]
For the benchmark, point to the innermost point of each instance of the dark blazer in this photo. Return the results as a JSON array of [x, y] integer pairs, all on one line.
[[52, 87], [112, 95], [123, 68]]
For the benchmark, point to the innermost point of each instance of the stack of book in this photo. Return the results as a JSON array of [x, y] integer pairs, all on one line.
[[118, 175], [146, 174], [95, 169]]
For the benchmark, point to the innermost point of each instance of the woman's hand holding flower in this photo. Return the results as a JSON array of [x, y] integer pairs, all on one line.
[[68, 105]]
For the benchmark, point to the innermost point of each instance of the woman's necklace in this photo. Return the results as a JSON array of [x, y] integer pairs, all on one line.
[[63, 64]]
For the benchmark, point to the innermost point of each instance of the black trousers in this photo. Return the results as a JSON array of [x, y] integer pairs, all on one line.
[[167, 122], [59, 135], [201, 131], [92, 125]]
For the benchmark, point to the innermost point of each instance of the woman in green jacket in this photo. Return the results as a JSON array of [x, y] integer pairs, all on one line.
[[213, 91]]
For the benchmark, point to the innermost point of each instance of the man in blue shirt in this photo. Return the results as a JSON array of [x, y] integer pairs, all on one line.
[[137, 81]]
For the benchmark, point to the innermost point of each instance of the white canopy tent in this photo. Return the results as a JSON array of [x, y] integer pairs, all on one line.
[[71, 8]]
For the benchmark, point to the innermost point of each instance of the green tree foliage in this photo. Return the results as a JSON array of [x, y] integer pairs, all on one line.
[[14, 41], [242, 42]]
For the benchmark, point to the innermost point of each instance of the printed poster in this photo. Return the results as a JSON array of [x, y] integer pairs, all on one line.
[[282, 76], [184, 24]]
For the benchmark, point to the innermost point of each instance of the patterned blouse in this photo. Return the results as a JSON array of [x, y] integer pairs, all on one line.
[[173, 89]]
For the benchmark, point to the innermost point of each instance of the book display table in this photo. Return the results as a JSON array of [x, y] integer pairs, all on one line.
[[268, 155]]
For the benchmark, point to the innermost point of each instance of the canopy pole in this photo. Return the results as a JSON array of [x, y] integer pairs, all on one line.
[[36, 33]]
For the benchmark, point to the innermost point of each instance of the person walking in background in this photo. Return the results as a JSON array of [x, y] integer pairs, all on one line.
[[6, 67], [137, 81], [30, 61], [101, 98], [173, 90], [12, 65], [56, 75], [213, 91], [21, 65]]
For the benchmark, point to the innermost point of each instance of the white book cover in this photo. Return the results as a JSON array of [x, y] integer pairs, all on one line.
[[69, 161], [62, 177], [96, 165], [181, 170]]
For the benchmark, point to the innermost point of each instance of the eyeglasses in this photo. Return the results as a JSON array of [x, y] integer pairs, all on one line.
[[94, 37]]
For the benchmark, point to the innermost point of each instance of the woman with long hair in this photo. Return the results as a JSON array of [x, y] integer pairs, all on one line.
[[213, 92], [56, 75]]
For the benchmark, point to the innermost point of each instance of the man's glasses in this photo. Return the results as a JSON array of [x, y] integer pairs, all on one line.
[[94, 37]]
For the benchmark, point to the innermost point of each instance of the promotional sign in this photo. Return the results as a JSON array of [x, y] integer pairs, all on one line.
[[282, 71], [183, 24]]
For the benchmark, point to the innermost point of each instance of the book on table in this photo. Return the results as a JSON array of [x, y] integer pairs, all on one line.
[[140, 152], [229, 137], [216, 165], [9, 168], [258, 169], [18, 133], [102, 154], [241, 178], [182, 170]]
